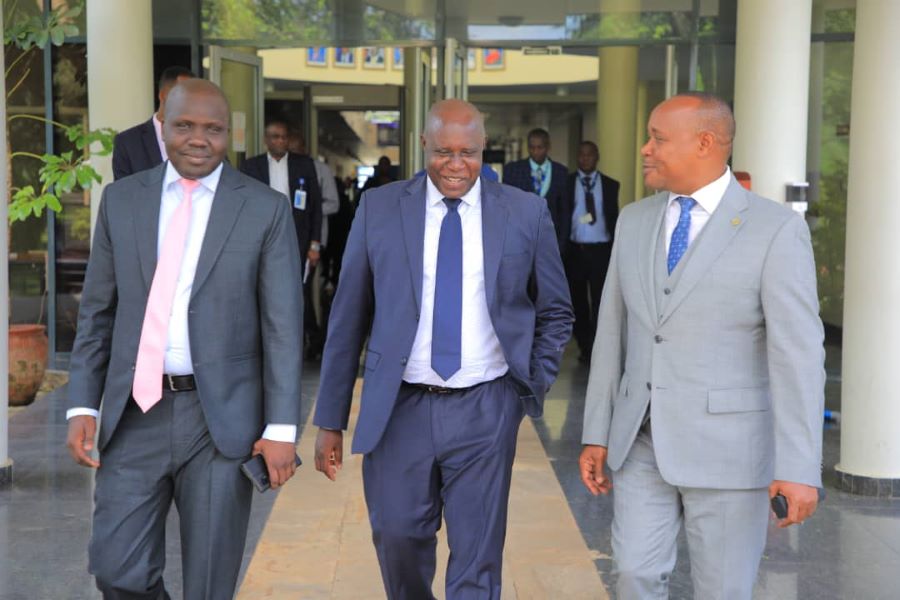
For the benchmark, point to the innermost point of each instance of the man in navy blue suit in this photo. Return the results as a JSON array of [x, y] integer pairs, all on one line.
[[458, 285], [544, 177]]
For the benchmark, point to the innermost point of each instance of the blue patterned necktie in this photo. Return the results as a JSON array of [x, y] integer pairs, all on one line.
[[446, 327], [678, 245], [537, 180]]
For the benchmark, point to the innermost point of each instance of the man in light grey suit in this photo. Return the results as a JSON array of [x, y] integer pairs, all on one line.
[[705, 395], [224, 372]]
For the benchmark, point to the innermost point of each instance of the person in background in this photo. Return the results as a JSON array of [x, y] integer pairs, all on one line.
[[294, 175], [383, 174], [542, 176], [592, 203], [141, 147]]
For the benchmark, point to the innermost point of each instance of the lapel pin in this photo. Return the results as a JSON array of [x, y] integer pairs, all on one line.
[[735, 221]]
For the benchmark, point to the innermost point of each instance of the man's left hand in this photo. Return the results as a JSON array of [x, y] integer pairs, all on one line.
[[801, 500], [313, 256], [279, 457]]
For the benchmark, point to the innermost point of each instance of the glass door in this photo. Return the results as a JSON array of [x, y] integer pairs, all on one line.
[[240, 75]]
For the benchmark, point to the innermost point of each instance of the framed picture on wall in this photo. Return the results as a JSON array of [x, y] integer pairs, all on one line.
[[345, 57], [492, 59], [397, 61], [317, 56], [373, 58]]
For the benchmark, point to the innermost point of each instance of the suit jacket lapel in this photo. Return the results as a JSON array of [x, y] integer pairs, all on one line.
[[146, 221], [412, 220], [647, 252], [723, 224], [293, 174], [494, 216], [151, 144], [226, 207]]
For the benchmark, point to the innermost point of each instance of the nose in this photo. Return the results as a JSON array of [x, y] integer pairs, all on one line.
[[645, 149]]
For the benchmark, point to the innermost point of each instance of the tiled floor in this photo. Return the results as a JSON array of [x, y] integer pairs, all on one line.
[[849, 550]]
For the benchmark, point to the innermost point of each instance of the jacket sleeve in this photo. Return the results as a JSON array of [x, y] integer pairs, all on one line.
[[121, 163], [552, 304], [796, 354], [96, 317], [313, 202], [607, 358], [348, 326]]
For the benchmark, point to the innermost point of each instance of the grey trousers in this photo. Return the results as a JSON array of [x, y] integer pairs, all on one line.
[[726, 531], [152, 459]]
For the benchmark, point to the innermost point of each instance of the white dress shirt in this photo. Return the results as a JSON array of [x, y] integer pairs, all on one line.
[[708, 198], [177, 359], [278, 175], [482, 357], [157, 126]]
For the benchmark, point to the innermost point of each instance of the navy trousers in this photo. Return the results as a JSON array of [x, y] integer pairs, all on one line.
[[447, 454]]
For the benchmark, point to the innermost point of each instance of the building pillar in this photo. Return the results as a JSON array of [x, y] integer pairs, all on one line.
[[120, 72], [870, 398], [771, 92], [617, 95], [6, 464]]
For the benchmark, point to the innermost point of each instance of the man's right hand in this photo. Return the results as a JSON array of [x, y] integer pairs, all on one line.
[[329, 452], [592, 464], [81, 439]]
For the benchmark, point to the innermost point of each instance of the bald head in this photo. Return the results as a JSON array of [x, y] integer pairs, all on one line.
[[690, 137], [453, 141], [710, 113], [453, 111], [195, 128]]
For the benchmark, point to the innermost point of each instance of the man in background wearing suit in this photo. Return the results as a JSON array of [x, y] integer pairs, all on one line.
[[436, 274], [706, 389], [294, 175], [544, 177], [141, 147], [189, 330], [592, 203]]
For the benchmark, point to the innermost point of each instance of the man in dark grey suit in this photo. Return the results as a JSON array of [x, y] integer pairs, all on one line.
[[437, 273], [224, 368], [706, 389], [141, 147]]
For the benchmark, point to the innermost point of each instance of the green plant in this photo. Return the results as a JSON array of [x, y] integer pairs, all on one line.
[[61, 173]]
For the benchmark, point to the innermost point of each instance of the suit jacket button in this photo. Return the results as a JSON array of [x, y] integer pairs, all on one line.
[[403, 361], [667, 291], [649, 387], [658, 339]]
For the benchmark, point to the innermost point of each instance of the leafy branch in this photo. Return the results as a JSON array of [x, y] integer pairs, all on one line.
[[62, 173]]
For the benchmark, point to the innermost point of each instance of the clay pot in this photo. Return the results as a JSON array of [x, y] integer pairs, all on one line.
[[27, 362]]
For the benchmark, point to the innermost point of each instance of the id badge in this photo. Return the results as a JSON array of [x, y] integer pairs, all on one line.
[[300, 199], [586, 219]]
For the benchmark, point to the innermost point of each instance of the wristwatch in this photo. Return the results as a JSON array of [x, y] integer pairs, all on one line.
[[315, 246]]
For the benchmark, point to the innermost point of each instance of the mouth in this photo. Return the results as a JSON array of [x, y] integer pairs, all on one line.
[[454, 180]]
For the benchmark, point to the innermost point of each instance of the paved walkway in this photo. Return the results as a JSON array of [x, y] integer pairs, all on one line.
[[317, 542]]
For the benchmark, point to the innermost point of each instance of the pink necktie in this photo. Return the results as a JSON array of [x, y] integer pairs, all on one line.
[[148, 371]]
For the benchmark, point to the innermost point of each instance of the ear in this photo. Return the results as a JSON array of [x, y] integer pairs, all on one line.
[[706, 142], [422, 140]]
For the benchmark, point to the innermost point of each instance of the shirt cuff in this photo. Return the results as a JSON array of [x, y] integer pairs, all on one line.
[[79, 411], [280, 433]]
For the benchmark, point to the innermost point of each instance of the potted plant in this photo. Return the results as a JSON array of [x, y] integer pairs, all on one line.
[[59, 174]]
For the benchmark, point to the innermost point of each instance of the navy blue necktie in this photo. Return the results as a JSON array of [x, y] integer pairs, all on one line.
[[678, 245], [446, 327]]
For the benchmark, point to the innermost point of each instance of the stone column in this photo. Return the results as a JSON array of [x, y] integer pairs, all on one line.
[[771, 92], [120, 72], [5, 462], [870, 395]]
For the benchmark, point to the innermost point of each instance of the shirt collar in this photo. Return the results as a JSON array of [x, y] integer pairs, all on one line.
[[710, 195], [434, 197], [272, 159], [582, 175], [210, 182], [543, 167]]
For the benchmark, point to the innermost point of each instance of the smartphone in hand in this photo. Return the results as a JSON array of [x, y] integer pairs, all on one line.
[[257, 471]]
